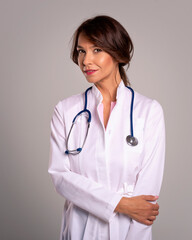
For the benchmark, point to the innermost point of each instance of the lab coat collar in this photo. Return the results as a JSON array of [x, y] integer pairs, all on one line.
[[120, 90]]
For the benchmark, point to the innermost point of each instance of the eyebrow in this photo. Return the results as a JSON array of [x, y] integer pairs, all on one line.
[[78, 46]]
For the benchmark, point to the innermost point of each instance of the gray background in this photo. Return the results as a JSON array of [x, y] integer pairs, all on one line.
[[36, 72]]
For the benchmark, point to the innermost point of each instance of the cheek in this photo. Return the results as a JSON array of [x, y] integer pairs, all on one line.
[[79, 62], [106, 61]]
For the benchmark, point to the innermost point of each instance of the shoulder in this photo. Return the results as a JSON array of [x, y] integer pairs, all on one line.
[[147, 103], [74, 99], [70, 102], [151, 111]]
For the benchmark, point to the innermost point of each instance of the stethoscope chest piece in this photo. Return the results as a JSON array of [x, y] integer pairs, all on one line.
[[131, 140]]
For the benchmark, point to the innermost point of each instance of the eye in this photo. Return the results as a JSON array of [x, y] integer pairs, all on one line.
[[80, 51], [96, 50]]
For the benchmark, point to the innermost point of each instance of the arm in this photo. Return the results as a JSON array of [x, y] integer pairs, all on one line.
[[151, 174], [139, 207], [83, 192]]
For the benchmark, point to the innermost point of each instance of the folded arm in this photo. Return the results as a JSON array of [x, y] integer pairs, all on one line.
[[142, 207], [83, 192]]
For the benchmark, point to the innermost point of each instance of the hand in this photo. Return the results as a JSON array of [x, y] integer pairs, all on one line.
[[139, 208]]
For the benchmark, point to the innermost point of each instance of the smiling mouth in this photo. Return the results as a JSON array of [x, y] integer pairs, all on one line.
[[90, 72]]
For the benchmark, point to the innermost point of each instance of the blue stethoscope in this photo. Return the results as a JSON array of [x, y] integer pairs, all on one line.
[[130, 139]]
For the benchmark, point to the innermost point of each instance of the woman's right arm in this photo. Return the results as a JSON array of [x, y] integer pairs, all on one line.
[[83, 192]]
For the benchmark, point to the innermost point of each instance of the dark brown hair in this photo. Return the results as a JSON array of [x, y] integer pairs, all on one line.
[[107, 33]]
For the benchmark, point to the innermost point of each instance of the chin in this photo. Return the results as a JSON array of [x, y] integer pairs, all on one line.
[[90, 80]]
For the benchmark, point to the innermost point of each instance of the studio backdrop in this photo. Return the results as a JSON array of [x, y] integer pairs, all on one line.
[[36, 72]]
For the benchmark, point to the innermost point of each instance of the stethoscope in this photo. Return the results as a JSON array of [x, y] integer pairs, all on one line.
[[130, 139]]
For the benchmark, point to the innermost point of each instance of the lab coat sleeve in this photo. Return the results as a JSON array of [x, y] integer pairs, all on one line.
[[150, 176], [81, 191]]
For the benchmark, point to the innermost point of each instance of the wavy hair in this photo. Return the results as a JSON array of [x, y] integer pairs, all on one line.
[[108, 34]]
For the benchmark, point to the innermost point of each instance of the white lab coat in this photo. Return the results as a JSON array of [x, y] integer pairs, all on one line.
[[94, 181]]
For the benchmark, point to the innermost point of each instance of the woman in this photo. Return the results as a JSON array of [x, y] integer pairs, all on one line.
[[110, 187]]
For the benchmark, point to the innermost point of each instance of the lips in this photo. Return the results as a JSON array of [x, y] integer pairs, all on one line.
[[90, 71]]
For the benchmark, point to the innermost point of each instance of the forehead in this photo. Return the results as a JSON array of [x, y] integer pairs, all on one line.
[[84, 40]]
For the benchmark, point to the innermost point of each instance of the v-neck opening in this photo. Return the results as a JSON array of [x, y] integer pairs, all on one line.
[[101, 109]]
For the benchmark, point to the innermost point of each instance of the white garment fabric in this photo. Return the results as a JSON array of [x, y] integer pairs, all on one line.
[[94, 181]]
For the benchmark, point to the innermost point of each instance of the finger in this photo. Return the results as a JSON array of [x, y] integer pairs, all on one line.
[[152, 218], [156, 207], [150, 197], [148, 222], [155, 213]]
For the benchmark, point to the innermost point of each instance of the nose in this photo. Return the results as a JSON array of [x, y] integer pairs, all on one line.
[[87, 58]]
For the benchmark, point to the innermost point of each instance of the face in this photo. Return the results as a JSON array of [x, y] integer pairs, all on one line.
[[97, 65]]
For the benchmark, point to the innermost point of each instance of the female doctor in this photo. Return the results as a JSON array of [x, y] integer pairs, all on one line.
[[107, 144]]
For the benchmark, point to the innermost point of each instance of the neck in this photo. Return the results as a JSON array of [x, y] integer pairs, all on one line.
[[108, 89]]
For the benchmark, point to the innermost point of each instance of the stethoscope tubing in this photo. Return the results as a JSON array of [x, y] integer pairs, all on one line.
[[131, 110], [131, 140]]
